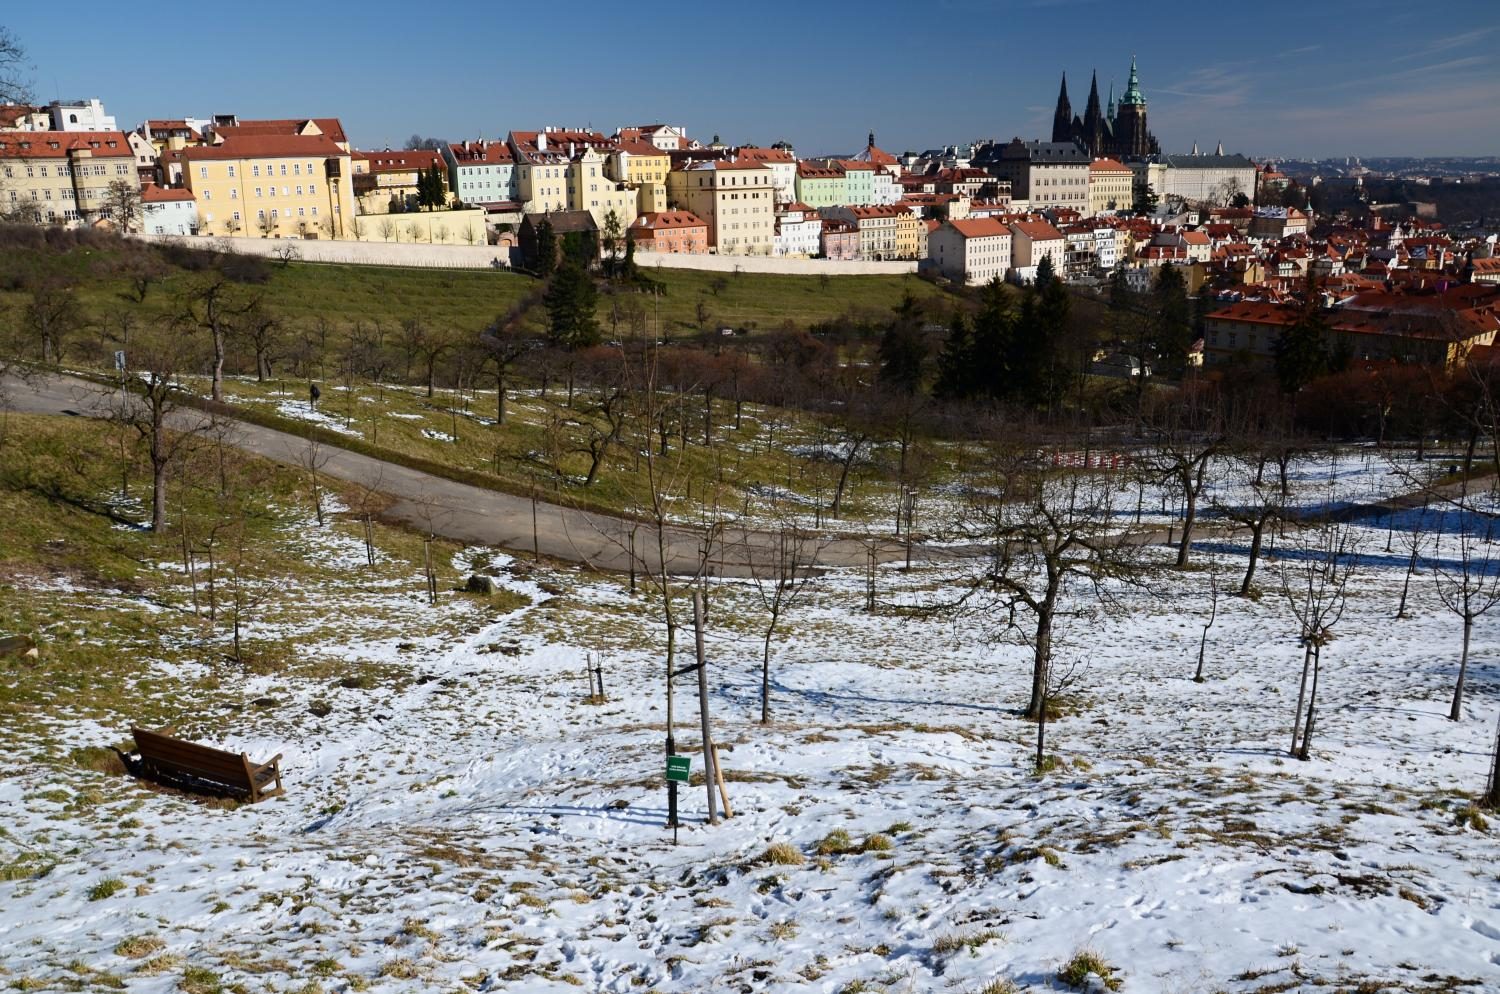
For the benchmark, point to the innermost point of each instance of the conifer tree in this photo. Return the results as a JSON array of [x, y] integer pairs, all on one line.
[[903, 354], [571, 308], [955, 362], [546, 250], [1171, 320]]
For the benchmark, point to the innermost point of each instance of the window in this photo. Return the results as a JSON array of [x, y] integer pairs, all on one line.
[[283, 169], [234, 193], [314, 212], [312, 188], [208, 194], [296, 169], [257, 191], [236, 215], [203, 172], [231, 172], [255, 170]]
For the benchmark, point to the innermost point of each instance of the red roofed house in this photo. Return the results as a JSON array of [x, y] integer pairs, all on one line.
[[783, 166], [670, 231], [877, 227], [63, 177], [1031, 242], [273, 185], [972, 251], [737, 199], [386, 182], [839, 240], [1437, 329], [168, 212]]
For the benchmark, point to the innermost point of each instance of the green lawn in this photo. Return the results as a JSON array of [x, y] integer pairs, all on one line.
[[471, 299]]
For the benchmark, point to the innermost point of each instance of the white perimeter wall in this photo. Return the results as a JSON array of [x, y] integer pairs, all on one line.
[[492, 256]]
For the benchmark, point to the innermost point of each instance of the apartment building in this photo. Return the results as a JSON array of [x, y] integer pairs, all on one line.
[[737, 199], [61, 177], [273, 185]]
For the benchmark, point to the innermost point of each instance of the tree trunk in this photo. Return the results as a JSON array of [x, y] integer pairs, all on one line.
[[1411, 567], [217, 391], [1189, 514], [1312, 704], [431, 375], [499, 399], [1456, 712], [1257, 533], [838, 491], [1042, 656], [1492, 793], [765, 675], [1041, 734], [708, 741], [1301, 695]]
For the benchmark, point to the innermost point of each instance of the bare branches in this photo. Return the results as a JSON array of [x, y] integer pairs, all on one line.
[[1469, 588], [14, 89]]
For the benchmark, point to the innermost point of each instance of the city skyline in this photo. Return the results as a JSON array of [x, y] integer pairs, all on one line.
[[1395, 82]]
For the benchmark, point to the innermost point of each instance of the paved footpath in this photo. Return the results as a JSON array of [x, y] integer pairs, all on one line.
[[475, 515]]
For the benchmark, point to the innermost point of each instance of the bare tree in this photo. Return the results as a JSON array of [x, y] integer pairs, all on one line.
[[286, 254], [1315, 575], [213, 305], [1213, 614], [506, 343], [122, 206], [1052, 539], [1186, 432], [263, 331], [1250, 501], [52, 313], [1468, 587], [314, 458], [13, 88], [781, 584], [158, 358]]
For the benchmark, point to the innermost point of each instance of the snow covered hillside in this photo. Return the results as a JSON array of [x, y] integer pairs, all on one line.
[[482, 826]]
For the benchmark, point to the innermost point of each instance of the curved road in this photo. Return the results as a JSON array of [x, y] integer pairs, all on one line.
[[474, 515]]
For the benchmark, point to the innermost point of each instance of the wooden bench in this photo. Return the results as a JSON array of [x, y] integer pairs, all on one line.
[[179, 763]]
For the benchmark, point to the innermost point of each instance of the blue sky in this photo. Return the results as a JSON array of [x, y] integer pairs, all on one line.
[[1377, 77]]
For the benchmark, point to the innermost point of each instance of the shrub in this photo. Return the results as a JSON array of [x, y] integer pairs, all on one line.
[[138, 946], [834, 843], [399, 968], [199, 980], [1085, 962], [952, 942], [108, 887], [782, 854], [878, 843]]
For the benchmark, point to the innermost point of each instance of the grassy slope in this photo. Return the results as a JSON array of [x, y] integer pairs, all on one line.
[[470, 299], [105, 597]]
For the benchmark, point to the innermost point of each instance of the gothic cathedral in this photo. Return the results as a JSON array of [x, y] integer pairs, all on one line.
[[1119, 132]]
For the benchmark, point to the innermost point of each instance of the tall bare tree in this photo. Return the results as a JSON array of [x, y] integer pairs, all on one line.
[[1186, 433], [1315, 575], [14, 89], [1052, 541], [214, 305], [1469, 586], [781, 580]]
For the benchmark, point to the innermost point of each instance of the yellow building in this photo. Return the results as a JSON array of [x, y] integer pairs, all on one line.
[[910, 235], [275, 186], [1111, 186], [590, 189], [61, 177], [386, 182], [736, 199], [643, 167]]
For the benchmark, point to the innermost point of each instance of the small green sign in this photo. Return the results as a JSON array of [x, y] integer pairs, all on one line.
[[678, 767]]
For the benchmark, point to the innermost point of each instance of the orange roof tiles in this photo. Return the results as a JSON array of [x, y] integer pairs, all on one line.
[[57, 144], [267, 146], [980, 227]]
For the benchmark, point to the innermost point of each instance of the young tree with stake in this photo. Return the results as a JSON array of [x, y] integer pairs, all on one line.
[[1314, 582]]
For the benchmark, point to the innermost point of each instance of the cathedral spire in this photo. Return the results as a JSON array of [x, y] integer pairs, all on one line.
[[1110, 114], [1133, 88], [1062, 118]]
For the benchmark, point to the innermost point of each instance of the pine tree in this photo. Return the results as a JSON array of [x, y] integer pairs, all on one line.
[[955, 379], [571, 304], [903, 353], [1044, 274], [1054, 370], [1301, 353], [1146, 200], [546, 250], [992, 364], [1171, 320]]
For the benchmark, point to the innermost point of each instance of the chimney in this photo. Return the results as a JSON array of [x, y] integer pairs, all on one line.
[[541, 141]]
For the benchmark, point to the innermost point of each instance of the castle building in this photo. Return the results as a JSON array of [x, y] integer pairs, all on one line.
[[1118, 132]]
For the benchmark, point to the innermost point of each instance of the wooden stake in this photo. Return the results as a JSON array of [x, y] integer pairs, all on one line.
[[723, 791], [708, 742]]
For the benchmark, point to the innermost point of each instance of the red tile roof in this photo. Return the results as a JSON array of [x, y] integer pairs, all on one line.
[[330, 126], [664, 220], [980, 227], [57, 144], [267, 146], [475, 153], [1037, 230], [1108, 166], [153, 194], [752, 153], [807, 170], [389, 161]]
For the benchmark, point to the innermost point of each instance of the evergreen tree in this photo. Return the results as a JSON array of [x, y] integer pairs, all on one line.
[[1171, 321], [1044, 274], [995, 331], [1145, 200], [436, 192], [546, 250], [902, 351], [955, 379], [1301, 353], [571, 303], [1053, 365], [627, 269]]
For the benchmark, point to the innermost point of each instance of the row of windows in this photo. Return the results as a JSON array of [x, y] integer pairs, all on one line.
[[234, 192], [255, 170]]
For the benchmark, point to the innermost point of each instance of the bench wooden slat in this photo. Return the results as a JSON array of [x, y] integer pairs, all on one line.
[[163, 755]]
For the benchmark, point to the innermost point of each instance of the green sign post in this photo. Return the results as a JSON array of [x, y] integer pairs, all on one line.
[[678, 768]]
